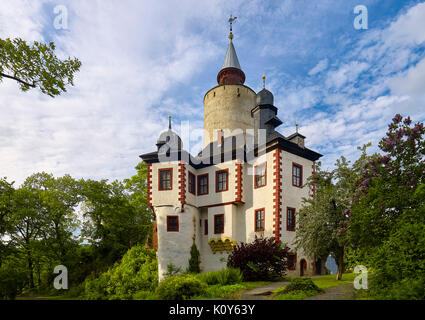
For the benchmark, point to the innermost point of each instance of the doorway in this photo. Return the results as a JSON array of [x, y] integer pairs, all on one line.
[[303, 267]]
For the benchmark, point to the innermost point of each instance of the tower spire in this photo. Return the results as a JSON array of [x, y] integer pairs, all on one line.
[[169, 121], [231, 72], [264, 81]]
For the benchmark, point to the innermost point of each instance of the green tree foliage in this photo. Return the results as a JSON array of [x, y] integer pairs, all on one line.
[[262, 259], [386, 223], [36, 66], [138, 271], [324, 214], [194, 261]]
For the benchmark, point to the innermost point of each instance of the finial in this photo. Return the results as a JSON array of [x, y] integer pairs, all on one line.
[[296, 125], [169, 121], [264, 81], [231, 19]]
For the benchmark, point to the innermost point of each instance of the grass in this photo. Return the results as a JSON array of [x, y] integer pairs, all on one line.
[[231, 291], [323, 282]]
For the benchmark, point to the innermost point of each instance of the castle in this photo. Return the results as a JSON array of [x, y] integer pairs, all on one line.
[[246, 182]]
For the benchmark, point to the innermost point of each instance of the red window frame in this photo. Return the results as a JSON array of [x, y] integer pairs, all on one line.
[[217, 182], [301, 174], [171, 179], [255, 219], [294, 265], [288, 228], [206, 227], [265, 175], [197, 183], [215, 224], [192, 176], [168, 224]]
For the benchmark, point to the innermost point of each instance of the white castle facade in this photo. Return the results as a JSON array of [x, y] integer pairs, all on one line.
[[248, 180]]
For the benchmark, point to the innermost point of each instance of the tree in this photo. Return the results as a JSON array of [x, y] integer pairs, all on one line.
[[112, 223], [36, 66], [325, 214], [387, 218]]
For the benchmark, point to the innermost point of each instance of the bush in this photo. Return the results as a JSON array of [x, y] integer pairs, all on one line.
[[138, 271], [222, 277], [194, 261], [12, 280], [263, 259], [180, 287], [301, 284]]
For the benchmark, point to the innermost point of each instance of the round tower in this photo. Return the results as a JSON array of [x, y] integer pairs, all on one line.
[[228, 105]]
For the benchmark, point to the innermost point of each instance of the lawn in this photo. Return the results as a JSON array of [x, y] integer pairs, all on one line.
[[231, 291], [323, 282]]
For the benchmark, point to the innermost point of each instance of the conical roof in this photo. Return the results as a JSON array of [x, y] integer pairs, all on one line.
[[231, 59]]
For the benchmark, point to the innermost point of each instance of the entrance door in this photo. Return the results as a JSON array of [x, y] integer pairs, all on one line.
[[303, 267], [318, 266]]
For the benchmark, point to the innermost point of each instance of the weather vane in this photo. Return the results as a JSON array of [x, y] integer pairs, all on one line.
[[231, 19]]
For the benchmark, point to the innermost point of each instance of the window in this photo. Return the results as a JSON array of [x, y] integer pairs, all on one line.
[[292, 261], [192, 187], [297, 175], [260, 175], [172, 223], [259, 220], [165, 179], [290, 219], [203, 184], [219, 223], [206, 226], [221, 180]]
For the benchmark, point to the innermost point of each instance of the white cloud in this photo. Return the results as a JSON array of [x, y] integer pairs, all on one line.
[[321, 66]]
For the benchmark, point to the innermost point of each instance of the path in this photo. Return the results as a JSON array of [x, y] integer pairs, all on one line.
[[263, 292], [342, 292]]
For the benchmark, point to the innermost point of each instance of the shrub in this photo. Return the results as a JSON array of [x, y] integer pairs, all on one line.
[[194, 261], [263, 259], [180, 287], [301, 284], [223, 277], [12, 280], [137, 271]]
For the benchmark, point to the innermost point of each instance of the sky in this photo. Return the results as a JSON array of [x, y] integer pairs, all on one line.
[[143, 60]]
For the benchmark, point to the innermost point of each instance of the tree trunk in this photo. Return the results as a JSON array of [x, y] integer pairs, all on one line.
[[340, 263], [30, 270]]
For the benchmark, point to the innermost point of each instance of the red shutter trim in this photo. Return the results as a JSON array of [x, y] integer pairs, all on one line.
[[277, 188], [182, 184]]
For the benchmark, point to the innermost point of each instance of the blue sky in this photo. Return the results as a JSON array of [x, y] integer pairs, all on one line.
[[143, 60]]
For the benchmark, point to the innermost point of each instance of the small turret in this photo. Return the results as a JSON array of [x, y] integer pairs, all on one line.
[[264, 113]]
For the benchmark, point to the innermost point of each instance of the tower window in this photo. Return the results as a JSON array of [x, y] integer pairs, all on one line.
[[259, 220], [192, 179], [206, 226], [260, 175], [297, 175], [221, 180], [219, 223], [290, 219], [172, 223], [203, 184], [165, 179]]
